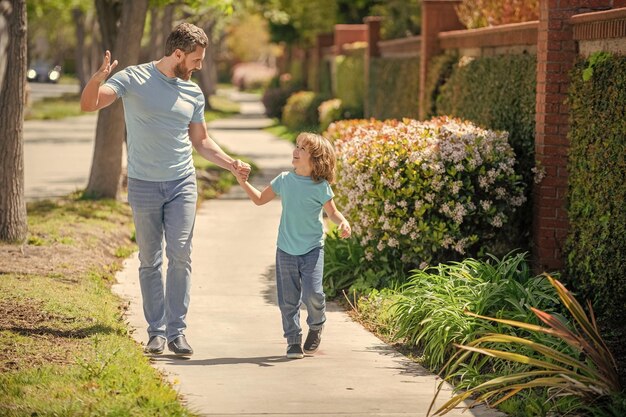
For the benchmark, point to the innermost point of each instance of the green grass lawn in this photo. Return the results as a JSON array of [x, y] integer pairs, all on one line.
[[65, 348], [51, 108]]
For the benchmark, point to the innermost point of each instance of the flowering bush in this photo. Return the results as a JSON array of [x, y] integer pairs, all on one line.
[[424, 191]]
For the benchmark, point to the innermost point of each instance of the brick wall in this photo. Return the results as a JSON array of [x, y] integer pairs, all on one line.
[[556, 53], [346, 34], [437, 16]]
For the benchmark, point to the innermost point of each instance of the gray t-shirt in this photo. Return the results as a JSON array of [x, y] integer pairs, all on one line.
[[158, 111]]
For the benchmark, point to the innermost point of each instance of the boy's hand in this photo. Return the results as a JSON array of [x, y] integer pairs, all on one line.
[[344, 229]]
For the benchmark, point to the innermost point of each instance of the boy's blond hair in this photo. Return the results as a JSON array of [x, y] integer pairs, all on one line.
[[322, 156]]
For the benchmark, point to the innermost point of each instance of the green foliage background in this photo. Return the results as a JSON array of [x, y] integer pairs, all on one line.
[[350, 80], [394, 88], [596, 245]]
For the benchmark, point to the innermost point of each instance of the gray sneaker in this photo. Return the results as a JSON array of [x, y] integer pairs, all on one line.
[[295, 351], [180, 347], [313, 340], [155, 345]]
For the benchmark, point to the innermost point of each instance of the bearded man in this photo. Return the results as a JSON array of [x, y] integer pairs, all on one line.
[[164, 114]]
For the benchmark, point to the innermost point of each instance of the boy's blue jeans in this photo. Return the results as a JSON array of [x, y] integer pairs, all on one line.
[[164, 209], [299, 280]]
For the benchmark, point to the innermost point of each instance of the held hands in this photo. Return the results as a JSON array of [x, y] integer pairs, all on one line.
[[344, 229], [241, 170], [105, 69]]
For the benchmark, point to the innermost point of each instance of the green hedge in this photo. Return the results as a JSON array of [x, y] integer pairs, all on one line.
[[325, 78], [394, 88], [439, 71], [596, 246], [350, 80], [499, 93]]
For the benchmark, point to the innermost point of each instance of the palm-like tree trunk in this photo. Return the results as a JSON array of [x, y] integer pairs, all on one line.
[[13, 227]]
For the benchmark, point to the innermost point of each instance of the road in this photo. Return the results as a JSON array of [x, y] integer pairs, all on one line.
[[57, 153], [40, 90]]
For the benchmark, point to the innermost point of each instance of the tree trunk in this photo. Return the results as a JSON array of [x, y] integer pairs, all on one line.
[[79, 56], [109, 13], [5, 11], [106, 167], [207, 76], [167, 24], [155, 32], [13, 227], [161, 22]]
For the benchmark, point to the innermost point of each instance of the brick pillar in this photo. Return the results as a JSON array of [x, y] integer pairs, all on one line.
[[437, 16], [324, 41], [556, 53], [373, 37]]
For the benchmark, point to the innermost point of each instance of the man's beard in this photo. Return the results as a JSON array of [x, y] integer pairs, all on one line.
[[182, 72]]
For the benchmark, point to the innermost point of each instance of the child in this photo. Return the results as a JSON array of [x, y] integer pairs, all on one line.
[[300, 253]]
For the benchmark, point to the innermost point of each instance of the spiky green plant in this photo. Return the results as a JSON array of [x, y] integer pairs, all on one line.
[[430, 311], [589, 373]]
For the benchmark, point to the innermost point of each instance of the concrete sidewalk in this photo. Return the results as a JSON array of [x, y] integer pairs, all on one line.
[[239, 366], [48, 146]]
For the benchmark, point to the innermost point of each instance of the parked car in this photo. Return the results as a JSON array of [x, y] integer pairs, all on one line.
[[43, 72]]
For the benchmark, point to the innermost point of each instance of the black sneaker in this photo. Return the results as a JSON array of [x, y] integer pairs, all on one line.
[[155, 345], [313, 340], [295, 351], [180, 347]]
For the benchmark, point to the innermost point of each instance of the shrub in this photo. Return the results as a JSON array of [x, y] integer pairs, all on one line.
[[596, 245], [330, 111], [439, 72], [300, 111], [350, 80], [393, 88], [499, 93], [424, 192], [274, 100], [345, 268]]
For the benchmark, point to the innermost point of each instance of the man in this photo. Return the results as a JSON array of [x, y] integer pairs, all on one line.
[[164, 113]]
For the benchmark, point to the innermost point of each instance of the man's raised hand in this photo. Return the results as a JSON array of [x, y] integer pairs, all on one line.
[[105, 69]]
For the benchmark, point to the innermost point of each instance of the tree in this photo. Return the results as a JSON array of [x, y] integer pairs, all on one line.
[[212, 18], [13, 227], [106, 167], [5, 11]]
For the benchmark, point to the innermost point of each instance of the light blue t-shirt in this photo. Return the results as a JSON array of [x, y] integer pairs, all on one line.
[[301, 228], [158, 111]]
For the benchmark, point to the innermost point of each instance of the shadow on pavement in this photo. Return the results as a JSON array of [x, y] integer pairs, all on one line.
[[262, 361]]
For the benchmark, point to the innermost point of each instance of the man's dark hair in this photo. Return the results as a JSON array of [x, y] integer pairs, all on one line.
[[185, 37]]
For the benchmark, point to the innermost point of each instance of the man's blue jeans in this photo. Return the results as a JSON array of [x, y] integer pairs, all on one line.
[[164, 209], [299, 280]]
